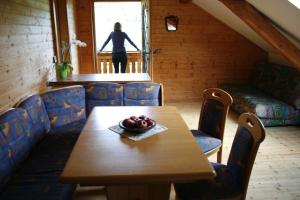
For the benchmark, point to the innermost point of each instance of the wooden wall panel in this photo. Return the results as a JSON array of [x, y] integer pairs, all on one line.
[[71, 5], [202, 53], [26, 49], [84, 16]]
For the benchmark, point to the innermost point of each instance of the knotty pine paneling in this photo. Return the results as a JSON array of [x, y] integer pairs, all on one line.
[[202, 53], [71, 12], [26, 49]]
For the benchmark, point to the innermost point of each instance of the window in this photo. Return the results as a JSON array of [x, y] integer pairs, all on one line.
[[295, 3]]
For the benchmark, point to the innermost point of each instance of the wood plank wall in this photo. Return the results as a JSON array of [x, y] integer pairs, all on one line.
[[26, 49], [71, 12], [202, 53], [87, 55]]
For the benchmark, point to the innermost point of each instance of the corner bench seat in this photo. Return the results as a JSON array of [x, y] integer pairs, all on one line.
[[34, 149], [37, 137], [38, 176]]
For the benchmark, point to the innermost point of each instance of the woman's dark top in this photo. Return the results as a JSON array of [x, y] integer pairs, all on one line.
[[118, 38]]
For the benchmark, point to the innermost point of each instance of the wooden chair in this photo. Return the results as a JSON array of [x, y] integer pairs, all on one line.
[[231, 181], [215, 106]]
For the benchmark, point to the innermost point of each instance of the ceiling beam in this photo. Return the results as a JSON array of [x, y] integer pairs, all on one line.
[[263, 27]]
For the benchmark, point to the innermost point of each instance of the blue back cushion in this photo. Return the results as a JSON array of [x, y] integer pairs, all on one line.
[[239, 154], [65, 105], [6, 161], [211, 118], [17, 130], [36, 110], [104, 94], [141, 94]]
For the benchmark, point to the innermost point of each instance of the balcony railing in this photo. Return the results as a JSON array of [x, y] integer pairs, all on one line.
[[105, 65]]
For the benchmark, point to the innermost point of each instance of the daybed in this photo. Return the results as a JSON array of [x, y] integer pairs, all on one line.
[[273, 94]]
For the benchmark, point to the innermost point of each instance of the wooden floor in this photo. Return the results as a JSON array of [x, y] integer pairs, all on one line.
[[276, 173]]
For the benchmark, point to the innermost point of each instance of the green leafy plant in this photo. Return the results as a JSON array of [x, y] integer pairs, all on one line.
[[65, 66]]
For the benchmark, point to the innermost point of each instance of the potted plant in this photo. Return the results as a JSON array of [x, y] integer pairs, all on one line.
[[65, 67]]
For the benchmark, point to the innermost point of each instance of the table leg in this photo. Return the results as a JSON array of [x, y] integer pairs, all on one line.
[[139, 192]]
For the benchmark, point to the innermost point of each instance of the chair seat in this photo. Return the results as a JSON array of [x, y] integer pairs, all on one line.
[[224, 185], [206, 142]]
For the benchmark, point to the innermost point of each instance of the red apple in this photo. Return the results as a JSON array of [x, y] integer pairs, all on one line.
[[141, 124], [149, 122], [129, 123], [134, 118]]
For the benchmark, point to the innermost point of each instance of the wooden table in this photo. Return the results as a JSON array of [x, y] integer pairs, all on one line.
[[84, 79], [136, 170]]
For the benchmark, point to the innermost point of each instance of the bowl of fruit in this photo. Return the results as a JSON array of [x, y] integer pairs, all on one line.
[[139, 124]]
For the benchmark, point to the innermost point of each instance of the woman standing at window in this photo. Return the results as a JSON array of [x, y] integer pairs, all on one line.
[[119, 54]]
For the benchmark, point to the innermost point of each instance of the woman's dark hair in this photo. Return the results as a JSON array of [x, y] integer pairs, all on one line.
[[117, 26]]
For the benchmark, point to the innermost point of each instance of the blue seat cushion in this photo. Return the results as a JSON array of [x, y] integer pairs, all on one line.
[[38, 176], [52, 153], [6, 162], [36, 187], [205, 141], [222, 186]]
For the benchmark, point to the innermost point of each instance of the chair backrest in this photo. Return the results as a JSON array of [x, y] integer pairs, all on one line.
[[215, 106], [143, 94], [103, 94], [249, 135]]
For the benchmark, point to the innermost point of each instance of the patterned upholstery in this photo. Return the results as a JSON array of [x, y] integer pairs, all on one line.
[[65, 105], [281, 82], [211, 117], [6, 162], [38, 176], [103, 94], [206, 142], [141, 94], [52, 153], [228, 182], [26, 130], [16, 129], [37, 186], [273, 94], [36, 110], [273, 112]]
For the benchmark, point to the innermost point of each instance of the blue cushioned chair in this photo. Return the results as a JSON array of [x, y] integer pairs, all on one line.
[[143, 94], [103, 94], [232, 179], [215, 106]]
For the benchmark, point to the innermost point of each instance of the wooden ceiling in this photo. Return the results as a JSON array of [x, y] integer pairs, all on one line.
[[263, 27]]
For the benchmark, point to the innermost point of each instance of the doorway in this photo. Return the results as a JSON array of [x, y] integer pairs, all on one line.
[[134, 18]]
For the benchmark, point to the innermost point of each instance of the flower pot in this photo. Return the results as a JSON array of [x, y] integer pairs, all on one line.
[[63, 73]]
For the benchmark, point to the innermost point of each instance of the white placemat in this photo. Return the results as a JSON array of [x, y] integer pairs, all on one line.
[[137, 137]]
